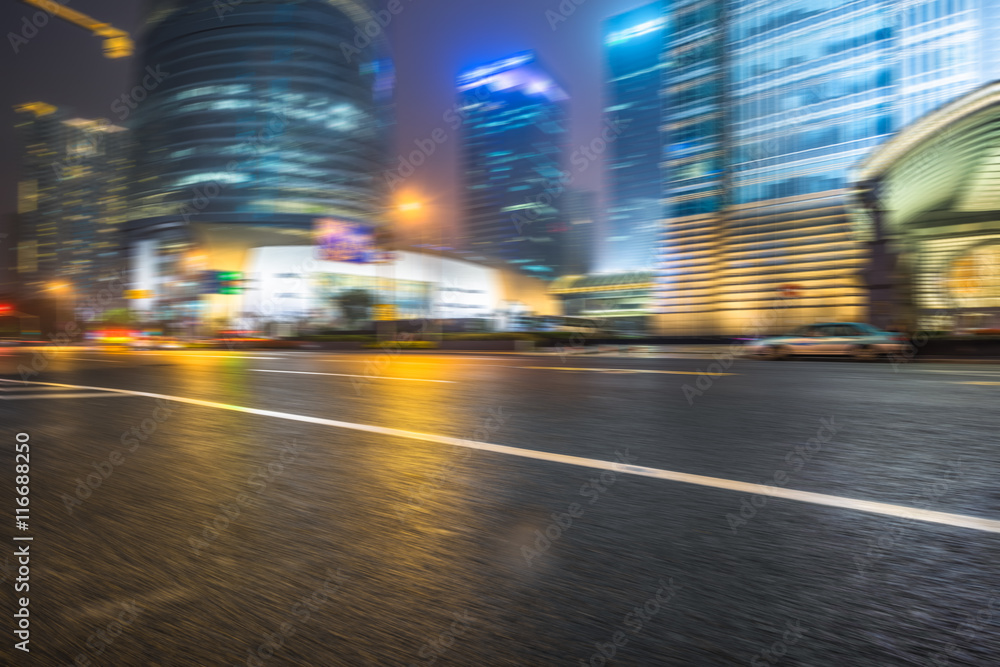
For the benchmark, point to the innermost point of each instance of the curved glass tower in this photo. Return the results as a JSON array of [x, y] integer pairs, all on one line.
[[267, 113]]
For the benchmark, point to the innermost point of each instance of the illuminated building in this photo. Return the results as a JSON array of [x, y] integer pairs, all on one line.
[[633, 47], [579, 241], [694, 160], [421, 284], [793, 95], [514, 135], [931, 195], [617, 302], [266, 115], [71, 200]]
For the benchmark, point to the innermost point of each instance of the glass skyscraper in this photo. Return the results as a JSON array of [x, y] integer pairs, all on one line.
[[694, 157], [514, 135], [633, 49], [258, 115], [794, 94], [256, 123], [71, 200]]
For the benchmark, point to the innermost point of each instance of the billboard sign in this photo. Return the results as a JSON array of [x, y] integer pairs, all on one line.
[[341, 241]]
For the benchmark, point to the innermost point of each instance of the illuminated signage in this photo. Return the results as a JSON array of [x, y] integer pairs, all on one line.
[[340, 241]]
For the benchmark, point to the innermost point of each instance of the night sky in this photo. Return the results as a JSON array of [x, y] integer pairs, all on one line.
[[431, 40]]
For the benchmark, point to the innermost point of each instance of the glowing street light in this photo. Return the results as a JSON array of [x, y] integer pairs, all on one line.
[[410, 206]]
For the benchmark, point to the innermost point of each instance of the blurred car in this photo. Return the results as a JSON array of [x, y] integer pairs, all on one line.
[[858, 340]]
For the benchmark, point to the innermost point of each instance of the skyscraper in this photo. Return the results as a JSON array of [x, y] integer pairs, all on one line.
[[277, 123], [633, 48], [514, 137], [71, 200], [769, 122], [693, 177], [579, 245]]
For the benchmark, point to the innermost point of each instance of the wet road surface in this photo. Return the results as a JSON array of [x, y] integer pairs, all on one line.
[[306, 508]]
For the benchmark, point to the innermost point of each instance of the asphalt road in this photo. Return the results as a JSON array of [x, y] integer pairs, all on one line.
[[306, 508]]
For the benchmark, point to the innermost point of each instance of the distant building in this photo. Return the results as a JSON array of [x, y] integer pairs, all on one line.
[[71, 201], [633, 49], [514, 136], [580, 242], [769, 108]]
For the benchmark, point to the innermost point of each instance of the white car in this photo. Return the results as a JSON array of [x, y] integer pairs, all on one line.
[[858, 340]]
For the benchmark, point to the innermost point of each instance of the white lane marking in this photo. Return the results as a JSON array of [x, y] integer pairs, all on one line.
[[8, 389], [349, 375], [102, 394], [452, 361], [212, 356], [930, 516], [920, 370], [974, 382], [622, 370]]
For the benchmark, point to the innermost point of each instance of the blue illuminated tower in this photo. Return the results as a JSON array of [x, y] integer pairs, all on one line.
[[514, 138], [633, 48]]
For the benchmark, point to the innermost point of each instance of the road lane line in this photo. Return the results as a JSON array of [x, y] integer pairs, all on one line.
[[102, 394], [887, 509], [623, 370], [921, 370], [348, 375], [206, 356], [8, 389], [972, 382]]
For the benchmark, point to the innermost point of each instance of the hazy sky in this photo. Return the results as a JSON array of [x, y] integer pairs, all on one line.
[[432, 40]]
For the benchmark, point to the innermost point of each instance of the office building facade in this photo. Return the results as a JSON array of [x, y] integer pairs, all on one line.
[[71, 201], [260, 121], [633, 51], [797, 94], [512, 161]]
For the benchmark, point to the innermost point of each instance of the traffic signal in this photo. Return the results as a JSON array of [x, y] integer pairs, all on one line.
[[230, 282], [222, 282]]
